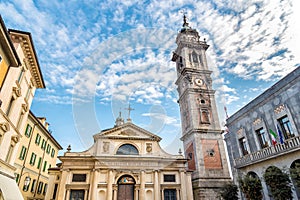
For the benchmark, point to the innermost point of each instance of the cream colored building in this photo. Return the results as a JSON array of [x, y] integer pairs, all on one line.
[[37, 152], [125, 162], [20, 75]]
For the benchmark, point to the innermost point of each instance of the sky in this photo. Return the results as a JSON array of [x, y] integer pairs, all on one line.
[[97, 57]]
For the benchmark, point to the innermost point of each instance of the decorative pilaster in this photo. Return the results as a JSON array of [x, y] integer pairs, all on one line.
[[156, 186], [183, 185], [142, 187], [189, 189], [93, 184], [109, 185], [62, 188]]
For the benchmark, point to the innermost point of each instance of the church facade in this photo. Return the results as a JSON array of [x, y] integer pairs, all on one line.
[[125, 162]]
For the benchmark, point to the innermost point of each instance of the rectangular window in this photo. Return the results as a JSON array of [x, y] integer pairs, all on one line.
[[21, 75], [79, 178], [39, 163], [40, 187], [10, 105], [20, 120], [33, 186], [45, 166], [32, 159], [43, 144], [25, 188], [45, 188], [23, 152], [77, 194], [169, 178], [28, 130], [262, 138], [9, 153], [28, 94], [243, 146], [38, 139], [52, 153], [17, 177], [170, 194], [55, 191], [286, 127], [48, 148]]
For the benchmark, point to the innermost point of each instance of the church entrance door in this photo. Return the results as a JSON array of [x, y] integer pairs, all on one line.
[[126, 188]]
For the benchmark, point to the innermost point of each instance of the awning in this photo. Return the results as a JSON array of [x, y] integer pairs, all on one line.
[[9, 188]]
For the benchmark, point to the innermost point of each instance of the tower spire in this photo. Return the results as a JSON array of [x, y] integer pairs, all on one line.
[[119, 120]]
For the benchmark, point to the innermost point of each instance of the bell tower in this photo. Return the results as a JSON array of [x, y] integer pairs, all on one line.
[[201, 131]]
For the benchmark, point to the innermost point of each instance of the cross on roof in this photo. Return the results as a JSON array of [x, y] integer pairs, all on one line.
[[129, 110]]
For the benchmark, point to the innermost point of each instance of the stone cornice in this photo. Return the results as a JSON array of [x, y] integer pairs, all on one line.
[[25, 40], [105, 134]]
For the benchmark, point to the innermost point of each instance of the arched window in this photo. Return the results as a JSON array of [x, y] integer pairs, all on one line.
[[195, 57], [127, 149]]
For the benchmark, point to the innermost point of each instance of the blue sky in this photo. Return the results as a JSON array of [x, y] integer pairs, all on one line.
[[98, 56]]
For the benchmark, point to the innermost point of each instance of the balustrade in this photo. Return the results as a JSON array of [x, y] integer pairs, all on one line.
[[269, 152]]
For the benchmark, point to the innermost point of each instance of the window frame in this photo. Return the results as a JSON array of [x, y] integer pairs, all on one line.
[[32, 159], [23, 153], [28, 133]]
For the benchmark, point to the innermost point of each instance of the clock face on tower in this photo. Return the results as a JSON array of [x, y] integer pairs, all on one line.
[[198, 81]]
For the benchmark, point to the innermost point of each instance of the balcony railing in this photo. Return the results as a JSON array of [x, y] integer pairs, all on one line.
[[289, 145]]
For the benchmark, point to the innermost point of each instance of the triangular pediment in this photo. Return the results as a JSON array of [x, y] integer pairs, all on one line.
[[127, 131]]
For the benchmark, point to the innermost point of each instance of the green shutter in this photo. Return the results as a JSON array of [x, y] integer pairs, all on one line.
[[45, 166], [28, 130], [39, 163], [23, 152]]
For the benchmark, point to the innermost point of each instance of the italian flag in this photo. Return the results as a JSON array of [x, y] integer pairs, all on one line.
[[274, 137]]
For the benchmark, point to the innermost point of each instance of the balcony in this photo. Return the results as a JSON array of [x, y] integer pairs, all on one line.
[[290, 145]]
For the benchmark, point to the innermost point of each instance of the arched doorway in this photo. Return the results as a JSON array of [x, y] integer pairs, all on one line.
[[295, 176], [126, 188]]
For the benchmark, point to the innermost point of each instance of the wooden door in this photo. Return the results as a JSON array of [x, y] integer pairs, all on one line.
[[126, 192]]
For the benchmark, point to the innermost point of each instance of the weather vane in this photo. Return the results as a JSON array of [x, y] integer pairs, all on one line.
[[184, 12]]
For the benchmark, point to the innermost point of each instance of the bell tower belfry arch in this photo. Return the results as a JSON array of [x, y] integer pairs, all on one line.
[[201, 131]]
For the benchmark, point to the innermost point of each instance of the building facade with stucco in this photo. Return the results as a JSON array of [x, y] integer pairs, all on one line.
[[20, 76], [125, 162], [251, 150]]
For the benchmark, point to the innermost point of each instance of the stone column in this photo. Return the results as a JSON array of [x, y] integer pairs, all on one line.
[[109, 185], [189, 187], [68, 193], [136, 192], [115, 192], [264, 189], [183, 185], [51, 184], [93, 184], [156, 186], [62, 186], [142, 187]]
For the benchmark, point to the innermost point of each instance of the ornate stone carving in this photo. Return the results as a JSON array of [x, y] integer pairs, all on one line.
[[4, 126], [279, 109], [105, 147], [149, 147], [257, 121]]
